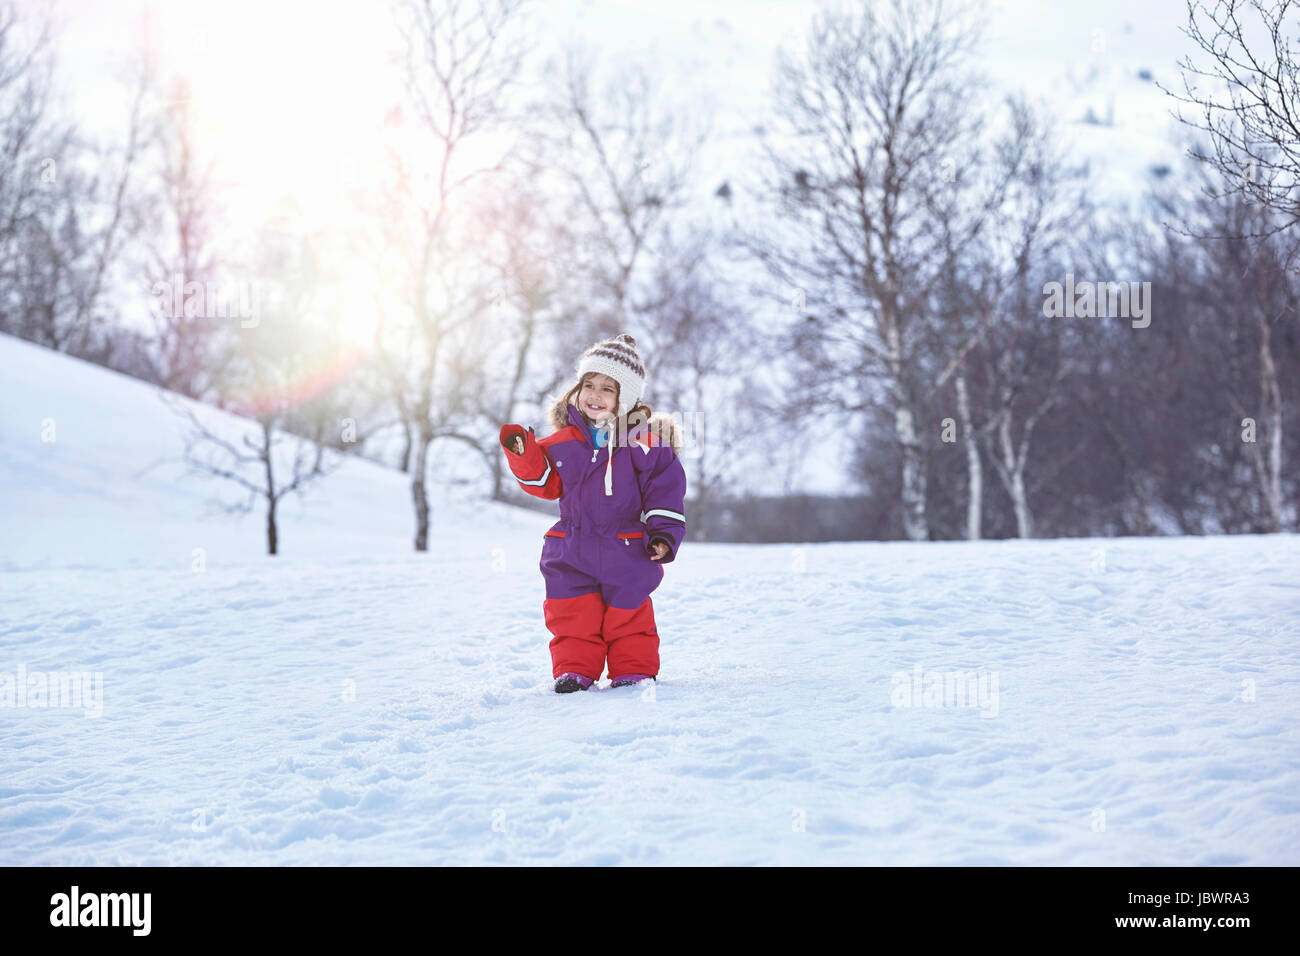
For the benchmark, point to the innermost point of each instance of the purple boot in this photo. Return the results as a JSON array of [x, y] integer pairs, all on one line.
[[631, 679], [569, 682]]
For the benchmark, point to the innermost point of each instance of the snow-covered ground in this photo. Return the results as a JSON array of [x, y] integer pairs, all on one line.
[[1135, 701]]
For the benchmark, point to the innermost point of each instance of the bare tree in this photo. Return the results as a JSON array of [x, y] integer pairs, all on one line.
[[1249, 111], [1244, 87], [462, 56], [68, 206], [1020, 353], [253, 461], [180, 250], [32, 149], [621, 155], [267, 370], [1244, 303], [525, 319], [875, 170], [702, 354]]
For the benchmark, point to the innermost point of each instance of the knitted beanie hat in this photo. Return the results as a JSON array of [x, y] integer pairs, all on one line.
[[617, 358]]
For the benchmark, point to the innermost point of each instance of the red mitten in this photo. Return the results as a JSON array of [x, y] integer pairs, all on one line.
[[529, 462], [513, 438]]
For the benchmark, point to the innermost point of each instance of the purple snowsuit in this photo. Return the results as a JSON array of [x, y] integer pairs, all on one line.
[[614, 502]]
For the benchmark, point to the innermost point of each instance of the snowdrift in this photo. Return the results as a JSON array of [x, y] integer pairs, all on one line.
[[1128, 702]]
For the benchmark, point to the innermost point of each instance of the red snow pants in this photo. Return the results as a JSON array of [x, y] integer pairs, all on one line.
[[588, 633], [597, 603]]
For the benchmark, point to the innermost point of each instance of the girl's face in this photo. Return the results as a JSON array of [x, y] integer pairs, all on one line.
[[598, 397]]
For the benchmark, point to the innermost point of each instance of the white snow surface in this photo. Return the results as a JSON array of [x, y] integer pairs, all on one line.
[[351, 702]]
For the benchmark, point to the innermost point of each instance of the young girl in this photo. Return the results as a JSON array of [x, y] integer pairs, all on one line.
[[621, 488]]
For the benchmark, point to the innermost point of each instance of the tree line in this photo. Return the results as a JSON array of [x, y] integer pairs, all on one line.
[[909, 275]]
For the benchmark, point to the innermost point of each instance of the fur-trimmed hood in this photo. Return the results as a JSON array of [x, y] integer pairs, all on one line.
[[660, 424], [558, 416]]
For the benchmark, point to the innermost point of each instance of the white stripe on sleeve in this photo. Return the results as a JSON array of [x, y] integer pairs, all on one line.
[[675, 515]]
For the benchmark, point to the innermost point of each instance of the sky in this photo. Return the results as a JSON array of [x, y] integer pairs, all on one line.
[[294, 98], [291, 88], [293, 95]]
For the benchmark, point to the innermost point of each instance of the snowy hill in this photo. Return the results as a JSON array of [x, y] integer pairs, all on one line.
[[1108, 702], [92, 476]]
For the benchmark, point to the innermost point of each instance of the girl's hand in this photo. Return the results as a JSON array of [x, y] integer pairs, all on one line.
[[512, 439], [660, 550]]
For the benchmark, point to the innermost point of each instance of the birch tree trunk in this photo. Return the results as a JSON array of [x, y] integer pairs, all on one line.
[[272, 536], [1011, 469], [419, 492], [461, 59], [272, 494], [975, 475], [406, 446], [1271, 395], [914, 521]]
